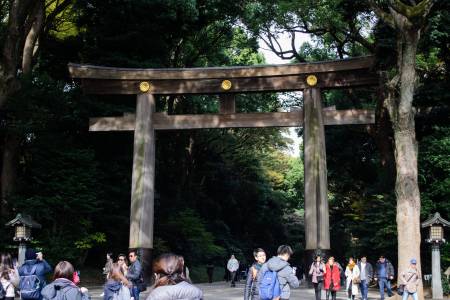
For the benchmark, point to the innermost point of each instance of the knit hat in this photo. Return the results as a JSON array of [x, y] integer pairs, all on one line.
[[30, 253], [413, 261]]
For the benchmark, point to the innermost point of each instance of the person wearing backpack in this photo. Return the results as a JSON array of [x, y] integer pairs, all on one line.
[[63, 287], [9, 277], [251, 291], [272, 287], [117, 286], [32, 275]]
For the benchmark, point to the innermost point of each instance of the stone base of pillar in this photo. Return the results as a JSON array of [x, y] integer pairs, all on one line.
[[145, 257], [308, 258]]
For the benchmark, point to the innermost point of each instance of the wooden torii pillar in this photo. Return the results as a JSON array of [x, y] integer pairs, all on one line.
[[310, 78]]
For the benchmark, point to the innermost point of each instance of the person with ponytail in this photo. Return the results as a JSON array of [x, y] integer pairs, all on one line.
[[170, 283]]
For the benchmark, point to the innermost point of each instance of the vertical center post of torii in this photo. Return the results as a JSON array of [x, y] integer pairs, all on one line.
[[143, 182], [317, 232]]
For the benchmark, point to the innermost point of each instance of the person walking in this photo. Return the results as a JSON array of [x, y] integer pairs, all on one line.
[[116, 285], [32, 275], [366, 277], [9, 276], [384, 273], [134, 274], [353, 280], [285, 273], [233, 266], [317, 272], [108, 264], [63, 286], [332, 278], [411, 280], [170, 282], [251, 291]]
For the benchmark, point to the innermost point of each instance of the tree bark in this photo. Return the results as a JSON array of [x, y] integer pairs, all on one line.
[[402, 116], [9, 169]]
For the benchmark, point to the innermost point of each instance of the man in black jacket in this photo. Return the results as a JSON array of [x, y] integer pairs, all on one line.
[[384, 273], [134, 274]]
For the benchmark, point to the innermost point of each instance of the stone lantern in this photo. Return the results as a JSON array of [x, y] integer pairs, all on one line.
[[22, 233], [436, 226]]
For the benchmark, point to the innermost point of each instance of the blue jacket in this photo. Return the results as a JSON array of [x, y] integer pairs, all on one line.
[[111, 287], [134, 272], [64, 286], [42, 268]]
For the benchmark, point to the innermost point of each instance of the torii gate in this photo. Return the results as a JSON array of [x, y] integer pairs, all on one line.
[[311, 78]]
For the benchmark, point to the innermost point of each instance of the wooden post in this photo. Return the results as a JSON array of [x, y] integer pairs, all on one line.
[[227, 104], [143, 178], [317, 232]]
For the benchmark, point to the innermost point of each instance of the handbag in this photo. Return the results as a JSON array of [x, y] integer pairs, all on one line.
[[357, 280], [319, 278], [401, 287]]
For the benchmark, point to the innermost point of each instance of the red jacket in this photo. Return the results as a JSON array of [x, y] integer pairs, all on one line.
[[335, 274]]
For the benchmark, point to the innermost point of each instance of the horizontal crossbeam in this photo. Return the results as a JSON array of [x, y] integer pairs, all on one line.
[[331, 80], [110, 73], [162, 121]]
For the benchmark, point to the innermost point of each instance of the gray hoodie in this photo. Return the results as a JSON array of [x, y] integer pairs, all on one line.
[[285, 274], [65, 286], [179, 291]]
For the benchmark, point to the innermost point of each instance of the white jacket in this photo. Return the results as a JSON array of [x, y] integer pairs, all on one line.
[[351, 275], [233, 265]]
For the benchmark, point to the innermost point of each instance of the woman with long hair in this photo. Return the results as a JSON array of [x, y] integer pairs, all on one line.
[[9, 276], [317, 271], [63, 285], [353, 280], [117, 284], [170, 283]]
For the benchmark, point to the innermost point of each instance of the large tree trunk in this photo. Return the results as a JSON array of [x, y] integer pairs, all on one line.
[[402, 117], [9, 169]]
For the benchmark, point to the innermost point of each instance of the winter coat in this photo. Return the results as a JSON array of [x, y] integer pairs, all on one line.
[[42, 268], [251, 291], [285, 274], [179, 291], [134, 272], [114, 287], [389, 269], [316, 270], [65, 286], [351, 275], [10, 284], [411, 279], [332, 275], [233, 265], [369, 271]]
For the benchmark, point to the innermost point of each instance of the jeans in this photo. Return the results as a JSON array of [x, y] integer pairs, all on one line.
[[317, 289], [135, 292], [332, 293], [406, 294], [233, 278], [364, 286], [384, 282]]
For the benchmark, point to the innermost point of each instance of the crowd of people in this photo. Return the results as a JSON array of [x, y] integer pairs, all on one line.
[[271, 279]]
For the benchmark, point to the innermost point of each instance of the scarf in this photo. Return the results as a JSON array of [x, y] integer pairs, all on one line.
[[351, 265]]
